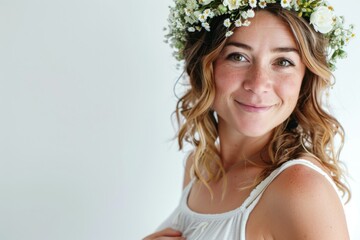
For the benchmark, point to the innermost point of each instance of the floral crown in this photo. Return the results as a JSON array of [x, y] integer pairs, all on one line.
[[189, 16]]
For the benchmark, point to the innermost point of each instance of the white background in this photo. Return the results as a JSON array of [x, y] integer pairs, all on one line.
[[86, 96]]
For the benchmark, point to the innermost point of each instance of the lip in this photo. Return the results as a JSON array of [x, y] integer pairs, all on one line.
[[253, 108]]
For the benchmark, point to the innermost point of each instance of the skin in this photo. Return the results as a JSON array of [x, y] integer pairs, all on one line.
[[258, 76]]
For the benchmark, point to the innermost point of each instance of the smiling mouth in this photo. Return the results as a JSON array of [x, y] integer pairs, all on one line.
[[253, 108]]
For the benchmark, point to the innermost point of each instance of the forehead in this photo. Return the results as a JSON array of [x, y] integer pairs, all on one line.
[[265, 28]]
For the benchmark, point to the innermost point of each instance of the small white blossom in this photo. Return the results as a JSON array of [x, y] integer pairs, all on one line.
[[229, 33], [206, 26], [197, 14], [238, 23], [192, 4], [232, 4], [191, 29], [252, 3], [244, 15], [285, 3], [246, 23], [295, 5], [322, 19], [262, 3], [207, 12], [227, 22], [202, 18], [250, 13], [337, 32], [205, 2], [187, 12]]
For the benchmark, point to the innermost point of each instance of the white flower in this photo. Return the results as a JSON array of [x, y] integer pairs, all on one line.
[[229, 33], [285, 3], [191, 29], [207, 13], [192, 4], [227, 22], [295, 5], [252, 3], [250, 13], [187, 12], [262, 3], [232, 4], [205, 2], [246, 23], [337, 32], [206, 26], [238, 23], [202, 18], [322, 19], [244, 15]]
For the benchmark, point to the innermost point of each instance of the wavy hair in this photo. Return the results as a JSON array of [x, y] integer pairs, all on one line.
[[318, 133]]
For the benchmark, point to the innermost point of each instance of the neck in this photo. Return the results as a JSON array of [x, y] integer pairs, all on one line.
[[237, 149]]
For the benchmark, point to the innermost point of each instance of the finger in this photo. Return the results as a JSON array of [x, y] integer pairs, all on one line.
[[167, 232], [170, 238]]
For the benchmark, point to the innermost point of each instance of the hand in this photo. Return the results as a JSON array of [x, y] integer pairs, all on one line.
[[166, 234]]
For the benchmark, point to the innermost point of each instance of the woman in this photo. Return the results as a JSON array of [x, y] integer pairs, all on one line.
[[265, 163]]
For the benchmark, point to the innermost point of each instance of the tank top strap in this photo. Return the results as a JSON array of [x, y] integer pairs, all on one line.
[[257, 192], [186, 191]]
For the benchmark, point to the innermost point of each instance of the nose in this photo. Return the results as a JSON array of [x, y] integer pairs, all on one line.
[[257, 80]]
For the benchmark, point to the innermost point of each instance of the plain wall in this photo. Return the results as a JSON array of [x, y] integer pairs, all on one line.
[[86, 96]]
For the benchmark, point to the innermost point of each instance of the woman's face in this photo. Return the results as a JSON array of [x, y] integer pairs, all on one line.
[[258, 76]]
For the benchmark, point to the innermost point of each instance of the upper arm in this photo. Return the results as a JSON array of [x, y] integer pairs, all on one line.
[[306, 206], [187, 174]]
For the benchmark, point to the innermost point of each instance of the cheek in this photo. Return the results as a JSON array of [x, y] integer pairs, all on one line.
[[289, 90], [226, 80]]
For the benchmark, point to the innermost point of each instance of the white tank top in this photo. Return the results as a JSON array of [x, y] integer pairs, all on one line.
[[229, 225]]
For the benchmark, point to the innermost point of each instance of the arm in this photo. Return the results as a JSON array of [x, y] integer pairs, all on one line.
[[305, 206]]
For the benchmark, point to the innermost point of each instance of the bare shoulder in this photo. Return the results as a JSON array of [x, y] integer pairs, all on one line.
[[306, 203], [188, 164]]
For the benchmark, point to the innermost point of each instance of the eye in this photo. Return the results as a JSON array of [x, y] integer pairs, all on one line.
[[285, 63], [237, 57]]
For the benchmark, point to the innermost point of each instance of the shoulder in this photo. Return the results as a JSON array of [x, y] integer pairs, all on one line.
[[306, 203], [187, 172]]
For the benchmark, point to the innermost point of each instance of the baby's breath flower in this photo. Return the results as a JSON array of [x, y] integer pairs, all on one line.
[[246, 23], [206, 26], [252, 3], [187, 12], [337, 32], [229, 33], [205, 2], [232, 4], [250, 13], [238, 23], [192, 4], [244, 15], [202, 18], [285, 3], [227, 22], [262, 3], [191, 29]]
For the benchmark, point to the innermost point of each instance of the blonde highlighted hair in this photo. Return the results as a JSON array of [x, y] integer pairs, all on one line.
[[318, 135]]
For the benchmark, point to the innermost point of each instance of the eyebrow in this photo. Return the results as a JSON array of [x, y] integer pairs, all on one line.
[[247, 47]]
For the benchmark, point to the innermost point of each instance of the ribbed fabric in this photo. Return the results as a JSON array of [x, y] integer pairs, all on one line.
[[228, 225]]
